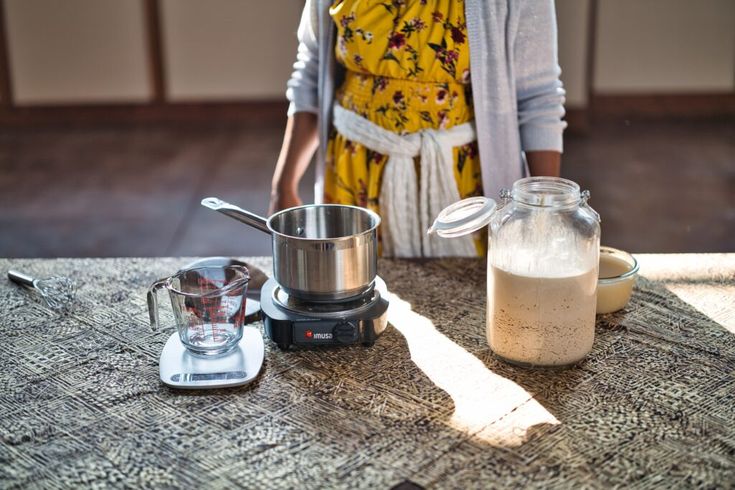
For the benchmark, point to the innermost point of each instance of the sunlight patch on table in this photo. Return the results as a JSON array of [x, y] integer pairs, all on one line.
[[704, 281], [717, 302], [490, 407], [687, 267]]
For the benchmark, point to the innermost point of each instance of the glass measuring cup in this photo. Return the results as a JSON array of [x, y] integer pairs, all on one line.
[[208, 304]]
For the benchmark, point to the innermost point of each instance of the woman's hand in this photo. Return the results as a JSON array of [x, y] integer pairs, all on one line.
[[283, 200]]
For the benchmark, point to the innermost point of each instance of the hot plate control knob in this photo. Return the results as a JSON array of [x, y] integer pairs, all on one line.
[[345, 333]]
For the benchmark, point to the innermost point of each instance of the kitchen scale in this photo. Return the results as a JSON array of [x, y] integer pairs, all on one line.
[[179, 368], [291, 322]]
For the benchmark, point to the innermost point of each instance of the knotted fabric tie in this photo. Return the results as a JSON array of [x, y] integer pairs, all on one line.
[[405, 223]]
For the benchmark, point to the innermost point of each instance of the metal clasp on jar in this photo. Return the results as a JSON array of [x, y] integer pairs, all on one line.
[[506, 196], [585, 196]]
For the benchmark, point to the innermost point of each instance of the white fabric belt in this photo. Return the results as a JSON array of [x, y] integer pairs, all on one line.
[[405, 224]]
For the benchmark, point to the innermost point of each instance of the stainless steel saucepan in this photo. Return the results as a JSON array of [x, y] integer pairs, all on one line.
[[321, 252]]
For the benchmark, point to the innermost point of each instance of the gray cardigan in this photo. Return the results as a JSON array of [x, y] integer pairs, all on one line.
[[517, 95]]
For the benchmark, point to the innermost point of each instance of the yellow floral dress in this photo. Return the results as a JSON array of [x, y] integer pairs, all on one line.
[[407, 69]]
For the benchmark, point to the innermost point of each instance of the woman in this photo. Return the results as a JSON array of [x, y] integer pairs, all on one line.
[[463, 88]]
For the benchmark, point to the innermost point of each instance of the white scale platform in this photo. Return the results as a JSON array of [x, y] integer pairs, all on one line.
[[181, 369]]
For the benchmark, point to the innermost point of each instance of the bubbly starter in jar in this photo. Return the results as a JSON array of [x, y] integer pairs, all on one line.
[[543, 321], [543, 258]]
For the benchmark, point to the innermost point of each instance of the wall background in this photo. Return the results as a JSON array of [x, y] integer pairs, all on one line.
[[665, 46], [76, 51], [97, 51]]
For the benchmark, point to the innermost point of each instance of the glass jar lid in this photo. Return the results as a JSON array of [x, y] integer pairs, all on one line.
[[463, 217]]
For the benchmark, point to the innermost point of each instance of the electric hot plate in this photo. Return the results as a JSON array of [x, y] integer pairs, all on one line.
[[291, 322]]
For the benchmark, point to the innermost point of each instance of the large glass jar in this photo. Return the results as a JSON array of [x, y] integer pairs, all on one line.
[[543, 260]]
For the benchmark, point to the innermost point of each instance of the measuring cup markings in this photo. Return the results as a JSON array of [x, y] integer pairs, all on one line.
[[208, 304]]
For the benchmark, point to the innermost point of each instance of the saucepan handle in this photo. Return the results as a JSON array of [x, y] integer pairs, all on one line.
[[237, 213]]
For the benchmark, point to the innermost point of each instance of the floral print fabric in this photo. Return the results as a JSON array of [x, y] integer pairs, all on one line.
[[407, 69]]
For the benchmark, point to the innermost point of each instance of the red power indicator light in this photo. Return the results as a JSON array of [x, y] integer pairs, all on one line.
[[309, 334]]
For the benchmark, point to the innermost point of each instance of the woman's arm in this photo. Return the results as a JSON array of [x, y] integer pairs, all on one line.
[[299, 144], [546, 163], [539, 91], [300, 139]]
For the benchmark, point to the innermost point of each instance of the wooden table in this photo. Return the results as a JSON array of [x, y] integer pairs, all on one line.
[[652, 406]]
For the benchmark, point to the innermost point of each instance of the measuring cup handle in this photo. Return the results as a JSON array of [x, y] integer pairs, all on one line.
[[153, 301]]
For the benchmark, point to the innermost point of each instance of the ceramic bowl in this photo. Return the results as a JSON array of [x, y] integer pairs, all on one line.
[[614, 290]]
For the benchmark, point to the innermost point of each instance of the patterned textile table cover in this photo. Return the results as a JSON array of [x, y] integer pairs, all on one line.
[[652, 406]]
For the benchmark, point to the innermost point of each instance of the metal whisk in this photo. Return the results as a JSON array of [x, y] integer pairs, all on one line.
[[57, 292]]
